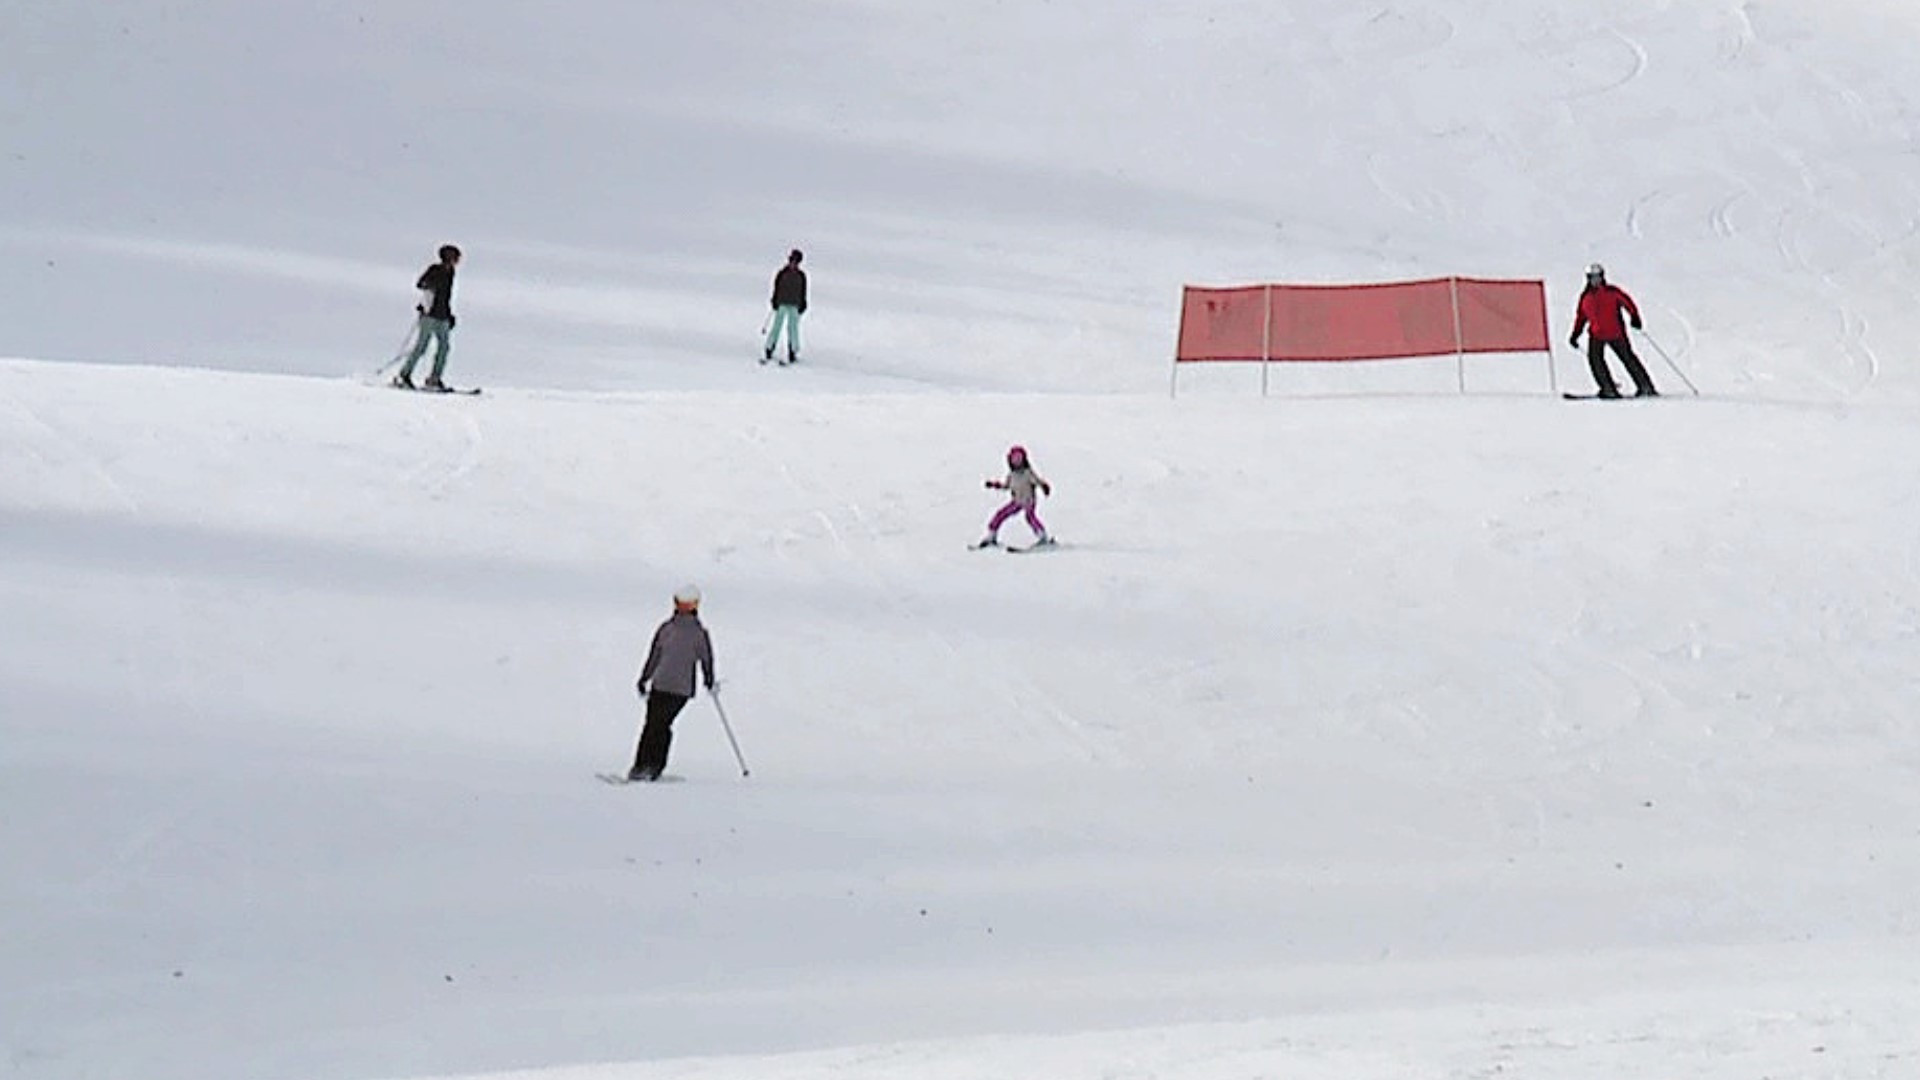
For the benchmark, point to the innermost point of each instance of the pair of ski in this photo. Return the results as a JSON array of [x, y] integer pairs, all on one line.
[[1017, 549], [622, 780], [1608, 397], [465, 391]]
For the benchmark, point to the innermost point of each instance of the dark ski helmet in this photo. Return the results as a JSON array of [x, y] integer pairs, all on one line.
[[1016, 456], [448, 253], [794, 256]]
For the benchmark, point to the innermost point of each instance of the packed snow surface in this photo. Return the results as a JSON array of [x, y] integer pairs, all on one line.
[[1363, 729]]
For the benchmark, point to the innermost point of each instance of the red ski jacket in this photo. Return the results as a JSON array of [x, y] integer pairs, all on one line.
[[1600, 306]]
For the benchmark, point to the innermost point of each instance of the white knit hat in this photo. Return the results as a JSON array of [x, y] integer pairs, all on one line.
[[687, 596]]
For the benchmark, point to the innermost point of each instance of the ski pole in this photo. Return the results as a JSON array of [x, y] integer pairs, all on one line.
[[766, 324], [1676, 367], [413, 335], [714, 695]]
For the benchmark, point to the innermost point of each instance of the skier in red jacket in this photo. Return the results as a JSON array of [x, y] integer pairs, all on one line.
[[1599, 314]]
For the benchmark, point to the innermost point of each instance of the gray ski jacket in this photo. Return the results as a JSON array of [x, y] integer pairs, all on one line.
[[679, 646]]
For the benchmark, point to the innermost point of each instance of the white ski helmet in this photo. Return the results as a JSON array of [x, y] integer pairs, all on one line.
[[1596, 272], [687, 597]]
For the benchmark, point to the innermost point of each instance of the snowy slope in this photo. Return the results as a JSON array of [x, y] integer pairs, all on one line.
[[1507, 701], [1001, 195], [1365, 730]]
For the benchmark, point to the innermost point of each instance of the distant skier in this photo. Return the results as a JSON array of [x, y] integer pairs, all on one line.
[[680, 645], [436, 321], [1599, 313], [789, 303], [1024, 488]]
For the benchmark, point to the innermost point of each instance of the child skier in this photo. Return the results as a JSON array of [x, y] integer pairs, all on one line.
[[1024, 488]]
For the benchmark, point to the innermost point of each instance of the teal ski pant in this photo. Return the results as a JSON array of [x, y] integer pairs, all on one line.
[[787, 315], [440, 331]]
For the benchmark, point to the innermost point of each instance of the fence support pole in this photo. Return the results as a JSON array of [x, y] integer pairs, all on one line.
[[1173, 377], [1459, 340], [1266, 342]]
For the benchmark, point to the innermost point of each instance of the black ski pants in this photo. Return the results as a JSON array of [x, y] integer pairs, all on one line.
[[650, 760], [1622, 348]]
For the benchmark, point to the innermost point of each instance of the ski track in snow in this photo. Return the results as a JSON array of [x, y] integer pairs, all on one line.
[[1742, 39], [1720, 218], [1401, 188], [1395, 34], [1851, 338], [454, 445], [69, 447], [1637, 61]]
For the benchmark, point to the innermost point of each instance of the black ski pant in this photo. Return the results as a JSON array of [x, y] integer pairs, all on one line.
[[650, 760], [1622, 348]]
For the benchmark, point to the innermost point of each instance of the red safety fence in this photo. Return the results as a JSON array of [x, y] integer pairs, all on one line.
[[1289, 323]]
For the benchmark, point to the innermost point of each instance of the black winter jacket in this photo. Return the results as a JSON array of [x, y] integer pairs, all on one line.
[[790, 288], [438, 279]]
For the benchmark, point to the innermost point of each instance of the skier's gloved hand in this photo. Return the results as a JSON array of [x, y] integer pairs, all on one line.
[[1574, 341], [642, 687], [450, 320], [1636, 322], [1046, 489], [995, 484]]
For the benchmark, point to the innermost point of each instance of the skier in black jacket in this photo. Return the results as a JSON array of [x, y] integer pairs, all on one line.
[[436, 320], [789, 303]]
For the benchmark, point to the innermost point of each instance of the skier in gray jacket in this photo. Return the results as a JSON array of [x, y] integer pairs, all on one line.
[[680, 646]]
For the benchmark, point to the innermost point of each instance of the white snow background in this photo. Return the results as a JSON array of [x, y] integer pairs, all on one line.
[[1364, 730]]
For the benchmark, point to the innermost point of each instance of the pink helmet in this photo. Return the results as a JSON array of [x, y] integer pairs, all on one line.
[[1016, 455]]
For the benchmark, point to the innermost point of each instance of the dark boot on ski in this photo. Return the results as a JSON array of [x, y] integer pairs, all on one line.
[[766, 355], [433, 383], [987, 542], [403, 381], [1645, 391], [792, 357], [1610, 393]]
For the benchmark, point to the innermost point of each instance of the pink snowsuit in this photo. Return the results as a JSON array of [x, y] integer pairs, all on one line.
[[1023, 487]]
